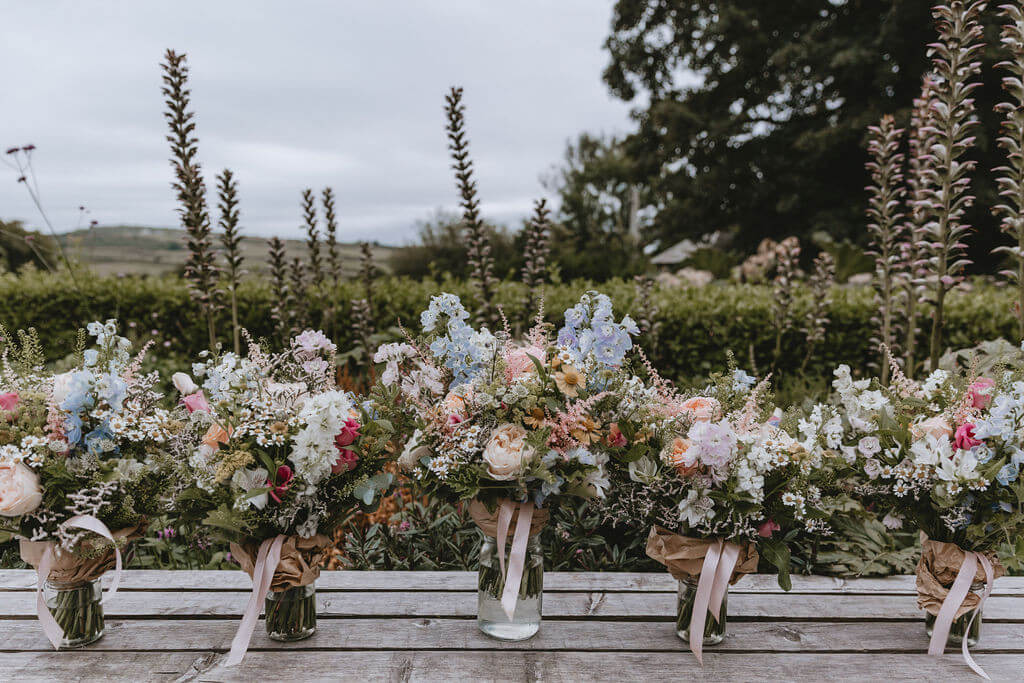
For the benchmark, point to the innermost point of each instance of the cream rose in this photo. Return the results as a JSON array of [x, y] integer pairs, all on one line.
[[507, 452], [19, 490], [184, 384], [61, 387], [933, 426]]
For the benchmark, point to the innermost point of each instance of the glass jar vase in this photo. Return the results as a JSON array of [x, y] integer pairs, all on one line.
[[714, 629], [78, 609], [291, 613], [962, 625], [491, 618]]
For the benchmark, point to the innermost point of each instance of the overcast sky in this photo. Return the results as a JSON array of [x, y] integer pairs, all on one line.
[[299, 94]]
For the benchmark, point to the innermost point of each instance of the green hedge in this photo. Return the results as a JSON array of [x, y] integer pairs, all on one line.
[[697, 325]]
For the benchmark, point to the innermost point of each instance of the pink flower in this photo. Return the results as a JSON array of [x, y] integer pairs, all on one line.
[[519, 363], [964, 438], [616, 439], [283, 480], [347, 460], [980, 392], [196, 401], [9, 400], [348, 434], [767, 529]]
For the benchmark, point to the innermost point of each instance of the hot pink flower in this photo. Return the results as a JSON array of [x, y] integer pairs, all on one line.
[[347, 460], [768, 528], [348, 434], [980, 392], [964, 438], [9, 400], [283, 480], [196, 401]]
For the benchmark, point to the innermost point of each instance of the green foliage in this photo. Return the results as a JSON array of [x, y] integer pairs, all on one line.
[[20, 247]]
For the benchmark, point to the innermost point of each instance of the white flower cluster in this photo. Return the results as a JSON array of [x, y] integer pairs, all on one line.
[[313, 448], [862, 405]]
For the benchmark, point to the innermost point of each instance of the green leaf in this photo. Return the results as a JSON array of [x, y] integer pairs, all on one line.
[[777, 553]]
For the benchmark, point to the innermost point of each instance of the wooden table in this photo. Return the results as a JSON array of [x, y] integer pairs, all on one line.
[[177, 625]]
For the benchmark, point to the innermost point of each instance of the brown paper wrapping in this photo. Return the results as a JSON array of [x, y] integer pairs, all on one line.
[[936, 571], [72, 568], [300, 560], [488, 521], [684, 555]]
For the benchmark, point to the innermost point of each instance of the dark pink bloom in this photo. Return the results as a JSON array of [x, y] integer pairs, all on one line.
[[196, 401], [348, 434], [616, 439], [980, 392], [9, 400], [347, 460], [768, 528], [964, 437], [281, 482]]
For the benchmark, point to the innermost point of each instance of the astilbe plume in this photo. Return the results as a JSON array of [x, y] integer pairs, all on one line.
[[278, 261], [886, 193], [535, 252], [201, 264], [787, 275], [312, 236], [478, 248], [331, 226], [1011, 178], [898, 381], [816, 320], [956, 65], [231, 241], [913, 246]]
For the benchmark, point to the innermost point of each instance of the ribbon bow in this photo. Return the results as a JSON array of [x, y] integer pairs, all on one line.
[[957, 593], [267, 559], [517, 556], [719, 563]]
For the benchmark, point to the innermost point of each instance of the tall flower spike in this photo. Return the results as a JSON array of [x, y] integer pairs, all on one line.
[[787, 273], [956, 65], [331, 223], [201, 264], [481, 263], [914, 238], [886, 193], [1011, 178], [816, 320], [278, 261], [312, 236], [535, 252], [231, 240]]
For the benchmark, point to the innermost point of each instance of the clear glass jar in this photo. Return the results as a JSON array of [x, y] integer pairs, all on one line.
[[959, 627], [291, 613], [714, 629], [491, 618], [78, 609]]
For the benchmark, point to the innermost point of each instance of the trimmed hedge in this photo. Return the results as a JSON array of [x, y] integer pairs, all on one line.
[[697, 325]]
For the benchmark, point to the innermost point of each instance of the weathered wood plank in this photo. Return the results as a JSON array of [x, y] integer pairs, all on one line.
[[499, 666], [140, 579], [462, 634], [638, 606]]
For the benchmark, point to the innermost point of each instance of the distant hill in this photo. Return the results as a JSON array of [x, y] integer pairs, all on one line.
[[136, 250]]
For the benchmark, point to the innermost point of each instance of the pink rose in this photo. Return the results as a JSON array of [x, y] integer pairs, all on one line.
[[519, 363], [196, 401], [767, 529], [9, 400], [348, 434], [347, 460], [19, 490], [980, 392], [964, 438], [933, 426]]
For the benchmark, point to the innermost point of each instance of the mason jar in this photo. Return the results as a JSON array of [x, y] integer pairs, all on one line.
[[962, 625], [491, 618], [714, 629], [291, 613], [78, 609]]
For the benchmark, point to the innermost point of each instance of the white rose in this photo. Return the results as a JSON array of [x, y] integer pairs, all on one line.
[[184, 384], [61, 387], [19, 490], [507, 452]]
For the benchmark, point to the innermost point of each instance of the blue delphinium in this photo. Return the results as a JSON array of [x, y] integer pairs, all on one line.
[[590, 329], [465, 351]]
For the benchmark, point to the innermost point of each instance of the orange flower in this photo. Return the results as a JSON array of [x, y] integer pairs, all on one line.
[[587, 430], [701, 408], [216, 435], [675, 453], [535, 419]]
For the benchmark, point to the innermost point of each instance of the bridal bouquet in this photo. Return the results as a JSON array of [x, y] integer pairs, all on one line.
[[720, 480], [511, 427], [945, 454], [83, 452], [276, 457]]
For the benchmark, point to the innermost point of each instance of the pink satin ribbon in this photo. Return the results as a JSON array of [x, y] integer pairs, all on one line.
[[267, 559], [713, 584], [517, 556], [957, 593], [54, 633]]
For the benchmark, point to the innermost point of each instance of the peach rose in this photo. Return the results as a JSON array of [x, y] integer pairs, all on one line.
[[701, 408], [676, 454], [507, 452], [216, 435], [19, 490], [933, 426]]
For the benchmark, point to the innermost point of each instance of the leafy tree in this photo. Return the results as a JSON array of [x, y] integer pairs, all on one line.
[[754, 114], [440, 248]]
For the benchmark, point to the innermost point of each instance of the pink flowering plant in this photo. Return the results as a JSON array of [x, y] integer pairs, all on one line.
[[489, 418], [272, 446]]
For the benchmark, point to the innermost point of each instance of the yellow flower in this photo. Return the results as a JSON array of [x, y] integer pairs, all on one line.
[[535, 419], [587, 430], [570, 380], [231, 461]]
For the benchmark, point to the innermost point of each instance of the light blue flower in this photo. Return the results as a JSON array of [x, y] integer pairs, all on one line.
[[73, 429], [1007, 474], [741, 381], [547, 489]]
